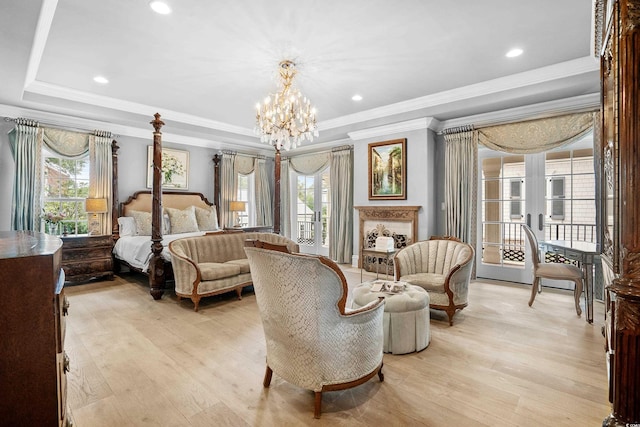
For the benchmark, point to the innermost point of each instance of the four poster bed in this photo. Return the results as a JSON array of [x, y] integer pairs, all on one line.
[[147, 253]]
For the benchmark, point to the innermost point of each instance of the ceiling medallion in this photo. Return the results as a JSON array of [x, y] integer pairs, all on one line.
[[286, 118]]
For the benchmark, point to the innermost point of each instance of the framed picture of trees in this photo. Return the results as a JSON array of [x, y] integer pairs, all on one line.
[[175, 168], [388, 170]]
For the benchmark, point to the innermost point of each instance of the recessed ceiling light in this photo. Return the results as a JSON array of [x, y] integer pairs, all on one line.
[[513, 53], [160, 7], [357, 97], [100, 79]]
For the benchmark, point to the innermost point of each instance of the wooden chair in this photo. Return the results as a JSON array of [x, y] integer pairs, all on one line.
[[552, 271]]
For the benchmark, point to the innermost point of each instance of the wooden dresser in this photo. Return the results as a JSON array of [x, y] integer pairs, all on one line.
[[33, 364], [86, 257]]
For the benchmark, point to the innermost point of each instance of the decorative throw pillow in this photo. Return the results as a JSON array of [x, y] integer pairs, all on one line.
[[207, 218], [182, 221], [143, 222], [127, 226], [166, 224]]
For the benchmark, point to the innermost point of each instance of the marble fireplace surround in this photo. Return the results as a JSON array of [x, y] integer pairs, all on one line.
[[400, 219]]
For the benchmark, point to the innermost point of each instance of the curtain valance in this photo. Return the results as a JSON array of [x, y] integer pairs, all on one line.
[[536, 136]]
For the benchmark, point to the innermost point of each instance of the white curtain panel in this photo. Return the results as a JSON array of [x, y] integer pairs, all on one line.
[[460, 181], [264, 204], [101, 174], [341, 196], [285, 198], [227, 187]]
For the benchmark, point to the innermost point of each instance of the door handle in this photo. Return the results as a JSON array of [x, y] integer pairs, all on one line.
[[540, 222], [529, 220]]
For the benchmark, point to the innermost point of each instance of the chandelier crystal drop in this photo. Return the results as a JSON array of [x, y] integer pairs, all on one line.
[[286, 118]]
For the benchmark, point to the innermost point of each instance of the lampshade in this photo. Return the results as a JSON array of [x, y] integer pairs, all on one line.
[[238, 206], [96, 205]]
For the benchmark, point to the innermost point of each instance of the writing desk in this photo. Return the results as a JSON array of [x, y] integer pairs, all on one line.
[[586, 254]]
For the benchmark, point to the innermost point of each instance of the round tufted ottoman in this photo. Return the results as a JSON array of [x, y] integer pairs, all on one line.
[[406, 317]]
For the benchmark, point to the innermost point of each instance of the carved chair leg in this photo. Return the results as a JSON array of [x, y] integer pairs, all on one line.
[[534, 290], [196, 303], [380, 374], [318, 405], [450, 312], [239, 292], [267, 377], [576, 293]]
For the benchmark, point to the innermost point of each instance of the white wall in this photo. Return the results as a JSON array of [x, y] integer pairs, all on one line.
[[421, 190], [132, 166]]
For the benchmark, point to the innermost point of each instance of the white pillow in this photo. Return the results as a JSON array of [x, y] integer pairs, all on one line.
[[143, 222], [127, 225], [182, 221], [207, 218], [166, 224]]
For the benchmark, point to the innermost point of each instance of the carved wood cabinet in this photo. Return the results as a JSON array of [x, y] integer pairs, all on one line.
[[620, 77], [86, 257], [33, 364]]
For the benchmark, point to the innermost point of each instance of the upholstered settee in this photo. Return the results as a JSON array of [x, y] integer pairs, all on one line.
[[216, 263], [442, 266]]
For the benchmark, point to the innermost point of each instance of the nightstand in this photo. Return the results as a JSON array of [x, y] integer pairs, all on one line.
[[86, 257]]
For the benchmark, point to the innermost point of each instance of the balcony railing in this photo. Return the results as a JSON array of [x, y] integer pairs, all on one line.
[[513, 238], [307, 232]]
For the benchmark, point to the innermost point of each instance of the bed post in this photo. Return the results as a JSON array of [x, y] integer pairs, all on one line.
[[156, 264], [276, 195], [216, 184]]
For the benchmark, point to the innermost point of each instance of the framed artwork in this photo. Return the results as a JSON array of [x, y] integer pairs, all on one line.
[[175, 168], [388, 170]]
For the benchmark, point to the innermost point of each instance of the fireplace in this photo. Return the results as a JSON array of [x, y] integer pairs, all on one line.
[[398, 222]]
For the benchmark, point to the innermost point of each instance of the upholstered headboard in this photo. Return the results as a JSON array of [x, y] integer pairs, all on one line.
[[142, 201]]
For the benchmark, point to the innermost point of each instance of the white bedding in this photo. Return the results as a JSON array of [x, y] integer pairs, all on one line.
[[136, 250]]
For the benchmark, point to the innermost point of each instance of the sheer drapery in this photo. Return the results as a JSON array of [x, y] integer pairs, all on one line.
[[536, 136], [341, 196], [25, 141], [285, 198], [264, 205], [460, 181], [227, 187], [100, 175]]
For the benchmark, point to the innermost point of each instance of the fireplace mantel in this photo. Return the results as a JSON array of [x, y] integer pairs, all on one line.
[[406, 216]]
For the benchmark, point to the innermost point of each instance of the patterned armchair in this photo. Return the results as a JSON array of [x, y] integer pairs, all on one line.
[[312, 340], [442, 266]]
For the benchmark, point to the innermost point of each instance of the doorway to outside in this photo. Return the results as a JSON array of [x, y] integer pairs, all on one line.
[[553, 192], [311, 207]]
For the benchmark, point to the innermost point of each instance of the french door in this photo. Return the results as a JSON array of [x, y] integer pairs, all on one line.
[[310, 204], [552, 192]]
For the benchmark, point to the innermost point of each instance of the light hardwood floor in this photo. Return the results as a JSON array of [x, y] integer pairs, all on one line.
[[140, 362]]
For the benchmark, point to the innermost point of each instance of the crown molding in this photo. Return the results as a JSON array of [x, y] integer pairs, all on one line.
[[406, 126], [577, 104], [566, 69], [55, 91], [47, 11]]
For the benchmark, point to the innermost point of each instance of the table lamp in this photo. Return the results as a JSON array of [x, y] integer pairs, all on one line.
[[236, 207], [94, 206]]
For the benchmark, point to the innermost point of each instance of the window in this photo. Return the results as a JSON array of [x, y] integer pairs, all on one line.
[[557, 197], [66, 186], [246, 194], [516, 198]]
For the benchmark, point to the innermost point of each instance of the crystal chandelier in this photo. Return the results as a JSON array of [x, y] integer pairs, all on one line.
[[286, 118]]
